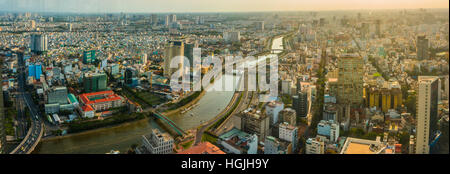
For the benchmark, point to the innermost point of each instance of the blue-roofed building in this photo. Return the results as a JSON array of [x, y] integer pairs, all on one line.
[[35, 71]]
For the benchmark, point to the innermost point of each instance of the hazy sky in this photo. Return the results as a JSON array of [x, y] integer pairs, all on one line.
[[149, 6]]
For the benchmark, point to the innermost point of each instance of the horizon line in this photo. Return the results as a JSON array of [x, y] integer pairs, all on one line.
[[186, 12]]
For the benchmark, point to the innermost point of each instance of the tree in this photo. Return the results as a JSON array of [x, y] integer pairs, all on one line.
[[410, 104]]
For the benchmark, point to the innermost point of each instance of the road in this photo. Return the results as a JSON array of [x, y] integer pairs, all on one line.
[[36, 130]]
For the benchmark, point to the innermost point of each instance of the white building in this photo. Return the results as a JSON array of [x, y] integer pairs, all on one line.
[[158, 143], [288, 133], [427, 101], [315, 146], [273, 111]]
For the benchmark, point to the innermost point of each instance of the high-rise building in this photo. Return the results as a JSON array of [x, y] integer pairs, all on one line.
[[129, 74], [144, 59], [348, 88], [427, 112], [95, 82], [35, 71], [300, 104], [33, 24], [154, 19], [260, 26], [288, 133], [89, 56], [446, 87], [38, 43], [172, 18], [2, 120], [422, 47], [254, 122], [289, 115], [384, 97], [189, 51], [272, 110], [167, 21], [173, 49], [378, 28]]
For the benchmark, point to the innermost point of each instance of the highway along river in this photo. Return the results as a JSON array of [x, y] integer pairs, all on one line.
[[123, 136]]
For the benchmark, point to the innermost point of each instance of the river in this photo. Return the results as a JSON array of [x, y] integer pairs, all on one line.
[[122, 137]]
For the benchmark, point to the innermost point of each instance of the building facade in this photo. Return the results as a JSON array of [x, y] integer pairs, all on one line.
[[427, 103], [158, 143]]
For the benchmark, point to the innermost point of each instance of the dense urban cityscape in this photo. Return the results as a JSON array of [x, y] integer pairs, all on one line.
[[348, 82]]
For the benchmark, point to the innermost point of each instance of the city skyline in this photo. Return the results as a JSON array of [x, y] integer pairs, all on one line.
[[178, 6]]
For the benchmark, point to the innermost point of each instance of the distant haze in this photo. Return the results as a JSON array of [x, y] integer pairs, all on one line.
[[151, 6]]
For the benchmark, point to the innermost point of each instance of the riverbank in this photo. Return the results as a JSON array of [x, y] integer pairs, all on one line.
[[97, 130], [191, 103]]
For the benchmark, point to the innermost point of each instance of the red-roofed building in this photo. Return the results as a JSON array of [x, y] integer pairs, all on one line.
[[87, 111], [203, 148], [101, 101]]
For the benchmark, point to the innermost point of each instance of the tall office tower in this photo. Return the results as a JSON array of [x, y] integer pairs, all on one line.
[[422, 47], [303, 104], [38, 43], [189, 51], [378, 28], [143, 59], [167, 21], [300, 104], [129, 74], [365, 29], [299, 85], [172, 18], [427, 108], [33, 24], [348, 88], [2, 119], [260, 26], [95, 82], [154, 19], [322, 22], [446, 87], [173, 49]]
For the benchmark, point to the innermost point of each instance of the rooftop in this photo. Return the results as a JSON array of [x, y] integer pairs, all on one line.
[[203, 148]]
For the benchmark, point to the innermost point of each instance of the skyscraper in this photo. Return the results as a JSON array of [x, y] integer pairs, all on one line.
[[38, 43], [378, 28], [427, 103], [300, 104], [95, 82], [348, 88], [2, 119], [422, 47], [260, 26], [154, 19], [173, 49]]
